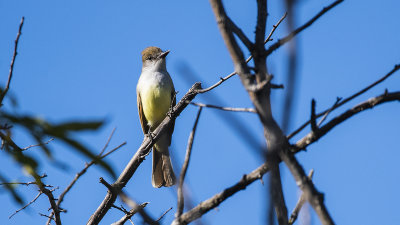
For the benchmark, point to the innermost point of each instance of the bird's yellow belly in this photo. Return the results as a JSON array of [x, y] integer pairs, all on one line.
[[156, 102]]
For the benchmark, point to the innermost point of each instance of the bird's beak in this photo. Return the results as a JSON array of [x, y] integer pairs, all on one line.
[[163, 55]]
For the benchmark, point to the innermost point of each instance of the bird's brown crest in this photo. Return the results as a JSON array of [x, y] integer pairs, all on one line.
[[150, 52]]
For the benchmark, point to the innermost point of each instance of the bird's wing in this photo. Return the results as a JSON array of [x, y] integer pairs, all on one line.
[[143, 120], [173, 101]]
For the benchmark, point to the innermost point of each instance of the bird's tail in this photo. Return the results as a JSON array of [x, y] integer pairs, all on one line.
[[163, 174]]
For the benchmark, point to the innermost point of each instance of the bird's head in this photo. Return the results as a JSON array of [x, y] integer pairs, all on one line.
[[154, 58]]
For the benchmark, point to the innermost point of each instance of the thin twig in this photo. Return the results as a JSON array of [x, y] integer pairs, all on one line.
[[162, 216], [37, 196], [274, 28], [369, 104], [4, 92], [186, 165], [24, 183], [83, 171], [37, 145], [132, 204], [128, 215], [107, 142], [338, 99], [251, 110], [391, 72], [300, 202], [289, 37], [247, 61]]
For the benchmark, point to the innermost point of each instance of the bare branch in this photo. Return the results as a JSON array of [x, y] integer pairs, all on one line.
[[162, 216], [217, 199], [3, 94], [274, 28], [369, 104], [107, 142], [261, 24], [37, 145], [186, 165], [391, 72], [24, 183], [129, 214], [37, 196], [224, 108], [240, 34], [54, 207], [289, 37], [236, 53], [247, 61], [338, 99], [83, 171], [258, 173], [132, 204], [300, 203], [315, 198]]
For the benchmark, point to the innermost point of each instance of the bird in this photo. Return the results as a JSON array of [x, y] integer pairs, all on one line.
[[155, 96]]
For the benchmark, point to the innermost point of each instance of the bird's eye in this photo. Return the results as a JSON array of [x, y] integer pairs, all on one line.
[[150, 58]]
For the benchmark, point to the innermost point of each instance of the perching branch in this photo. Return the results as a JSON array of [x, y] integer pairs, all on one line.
[[140, 155]]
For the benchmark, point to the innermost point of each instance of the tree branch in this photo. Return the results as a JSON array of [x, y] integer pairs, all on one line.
[[251, 110], [369, 104], [54, 207], [315, 198], [223, 79], [300, 203], [240, 34], [83, 171], [186, 165], [4, 92], [258, 173], [340, 103], [289, 37], [129, 214], [37, 196]]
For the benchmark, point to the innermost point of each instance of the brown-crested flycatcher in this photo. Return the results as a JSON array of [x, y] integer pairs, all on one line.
[[155, 95]]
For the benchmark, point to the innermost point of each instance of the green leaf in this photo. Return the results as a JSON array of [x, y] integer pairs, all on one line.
[[78, 126]]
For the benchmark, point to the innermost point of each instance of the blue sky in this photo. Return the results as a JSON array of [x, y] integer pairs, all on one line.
[[81, 60]]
